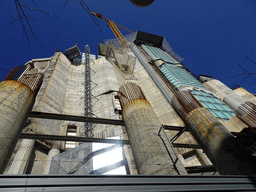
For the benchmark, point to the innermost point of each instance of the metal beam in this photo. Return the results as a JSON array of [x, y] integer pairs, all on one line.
[[35, 114], [72, 138], [179, 128], [189, 154], [177, 135], [200, 169], [98, 152], [174, 128], [181, 145], [67, 183], [108, 168], [125, 162]]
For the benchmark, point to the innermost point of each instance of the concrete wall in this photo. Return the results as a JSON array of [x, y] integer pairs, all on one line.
[[52, 94], [51, 99], [245, 94], [234, 124], [218, 88], [74, 100], [104, 80], [108, 77]]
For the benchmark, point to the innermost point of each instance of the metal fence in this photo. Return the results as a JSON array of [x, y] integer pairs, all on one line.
[[169, 148]]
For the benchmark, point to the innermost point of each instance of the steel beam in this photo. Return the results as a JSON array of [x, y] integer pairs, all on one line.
[[179, 128], [174, 128], [95, 153], [98, 152], [108, 168], [200, 169], [177, 135], [181, 145], [72, 138], [35, 114]]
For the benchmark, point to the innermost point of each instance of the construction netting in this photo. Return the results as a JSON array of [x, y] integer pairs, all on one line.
[[120, 57], [74, 161], [132, 36], [114, 42]]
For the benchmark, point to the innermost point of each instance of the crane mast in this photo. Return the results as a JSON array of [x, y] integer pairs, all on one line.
[[115, 30]]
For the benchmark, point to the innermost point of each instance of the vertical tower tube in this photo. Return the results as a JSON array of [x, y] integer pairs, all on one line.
[[227, 155], [16, 101], [21, 160], [53, 152], [150, 154]]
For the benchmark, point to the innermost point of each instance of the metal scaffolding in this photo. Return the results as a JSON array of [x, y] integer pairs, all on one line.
[[88, 94]]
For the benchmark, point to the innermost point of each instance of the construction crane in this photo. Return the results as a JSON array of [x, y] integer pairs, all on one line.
[[113, 27]]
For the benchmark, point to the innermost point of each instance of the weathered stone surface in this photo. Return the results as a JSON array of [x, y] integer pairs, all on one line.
[[16, 101], [227, 155], [21, 160], [150, 154]]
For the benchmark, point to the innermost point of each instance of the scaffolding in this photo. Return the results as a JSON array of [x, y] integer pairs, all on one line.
[[123, 61], [88, 94]]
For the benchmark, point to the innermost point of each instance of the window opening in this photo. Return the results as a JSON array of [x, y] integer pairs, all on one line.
[[117, 105], [71, 131]]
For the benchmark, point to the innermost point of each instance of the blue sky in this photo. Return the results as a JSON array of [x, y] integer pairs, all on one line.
[[213, 36]]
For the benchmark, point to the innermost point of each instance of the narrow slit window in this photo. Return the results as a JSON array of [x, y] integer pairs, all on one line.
[[117, 105], [71, 131]]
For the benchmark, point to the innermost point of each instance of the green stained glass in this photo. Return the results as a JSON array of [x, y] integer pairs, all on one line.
[[213, 104]]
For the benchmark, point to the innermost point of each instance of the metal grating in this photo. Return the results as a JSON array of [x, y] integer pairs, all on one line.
[[129, 92], [27, 75], [15, 73], [247, 112]]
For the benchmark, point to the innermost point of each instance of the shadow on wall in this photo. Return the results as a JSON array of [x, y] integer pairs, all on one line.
[[244, 163]]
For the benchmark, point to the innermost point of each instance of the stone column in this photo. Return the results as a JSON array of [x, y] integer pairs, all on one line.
[[16, 101], [142, 125], [228, 156], [53, 152], [21, 160]]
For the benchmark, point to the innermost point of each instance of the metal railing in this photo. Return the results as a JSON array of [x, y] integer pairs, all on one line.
[[169, 148]]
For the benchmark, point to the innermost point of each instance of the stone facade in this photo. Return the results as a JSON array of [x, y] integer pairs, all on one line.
[[63, 91]]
